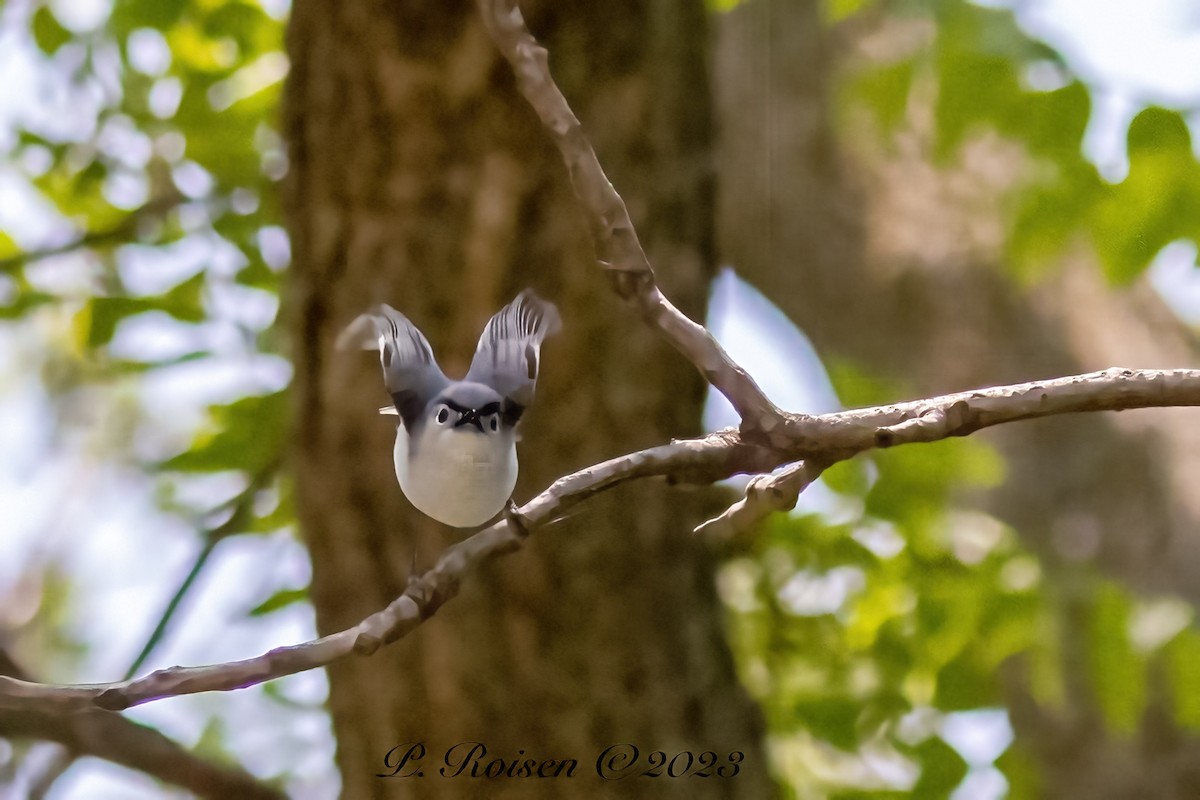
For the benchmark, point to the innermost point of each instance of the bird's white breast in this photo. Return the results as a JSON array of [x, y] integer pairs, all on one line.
[[459, 477]]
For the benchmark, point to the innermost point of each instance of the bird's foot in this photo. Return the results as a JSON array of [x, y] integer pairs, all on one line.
[[514, 517]]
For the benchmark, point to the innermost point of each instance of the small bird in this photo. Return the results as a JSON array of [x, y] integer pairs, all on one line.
[[455, 454]]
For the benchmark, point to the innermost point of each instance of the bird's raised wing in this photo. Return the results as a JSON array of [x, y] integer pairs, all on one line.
[[410, 372], [509, 350]]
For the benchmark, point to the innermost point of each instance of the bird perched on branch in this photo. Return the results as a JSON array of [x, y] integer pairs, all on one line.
[[455, 454]]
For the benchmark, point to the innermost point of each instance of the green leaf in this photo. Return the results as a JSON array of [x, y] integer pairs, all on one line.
[[247, 24], [103, 314], [834, 11], [280, 599], [915, 482], [281, 515], [848, 477], [223, 141], [885, 91], [128, 15], [1157, 203], [247, 435], [78, 194], [1022, 773], [723, 6], [872, 794], [1156, 132], [1118, 674], [1182, 656], [25, 301], [833, 719], [942, 769], [128, 367], [185, 301], [48, 32], [856, 386], [8, 248]]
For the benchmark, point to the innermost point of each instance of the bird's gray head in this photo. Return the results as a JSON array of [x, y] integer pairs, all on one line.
[[469, 407]]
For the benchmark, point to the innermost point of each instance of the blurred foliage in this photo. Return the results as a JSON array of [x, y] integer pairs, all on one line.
[[988, 77], [861, 635], [180, 150], [862, 638], [154, 154], [864, 633]]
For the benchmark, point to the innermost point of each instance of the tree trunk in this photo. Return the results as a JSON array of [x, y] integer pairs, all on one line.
[[419, 177]]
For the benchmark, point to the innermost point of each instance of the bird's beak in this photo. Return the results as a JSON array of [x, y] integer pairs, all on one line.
[[470, 417]]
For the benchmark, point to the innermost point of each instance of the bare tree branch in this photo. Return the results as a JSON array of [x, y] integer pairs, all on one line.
[[821, 441], [93, 732], [51, 771], [617, 246], [125, 742], [839, 435]]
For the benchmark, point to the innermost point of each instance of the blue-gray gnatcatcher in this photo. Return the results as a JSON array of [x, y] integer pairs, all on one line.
[[456, 455]]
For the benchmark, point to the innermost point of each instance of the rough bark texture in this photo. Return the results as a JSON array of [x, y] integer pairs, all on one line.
[[883, 259], [418, 177]]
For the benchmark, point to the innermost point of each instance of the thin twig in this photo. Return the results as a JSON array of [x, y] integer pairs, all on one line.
[[239, 508], [168, 615], [765, 494]]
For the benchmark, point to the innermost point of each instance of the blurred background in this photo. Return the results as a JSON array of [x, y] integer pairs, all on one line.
[[868, 200]]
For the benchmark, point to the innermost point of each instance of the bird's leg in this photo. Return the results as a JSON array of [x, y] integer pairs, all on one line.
[[412, 569], [513, 515]]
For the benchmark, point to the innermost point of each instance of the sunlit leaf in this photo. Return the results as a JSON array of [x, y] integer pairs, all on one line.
[[247, 435], [834, 11], [245, 23]]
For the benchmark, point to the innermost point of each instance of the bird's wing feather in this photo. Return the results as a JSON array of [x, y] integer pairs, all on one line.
[[410, 372], [507, 356]]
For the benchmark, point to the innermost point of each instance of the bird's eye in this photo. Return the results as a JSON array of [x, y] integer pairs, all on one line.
[[443, 416], [494, 424]]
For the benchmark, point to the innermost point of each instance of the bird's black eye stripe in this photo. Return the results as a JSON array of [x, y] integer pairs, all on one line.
[[456, 407]]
